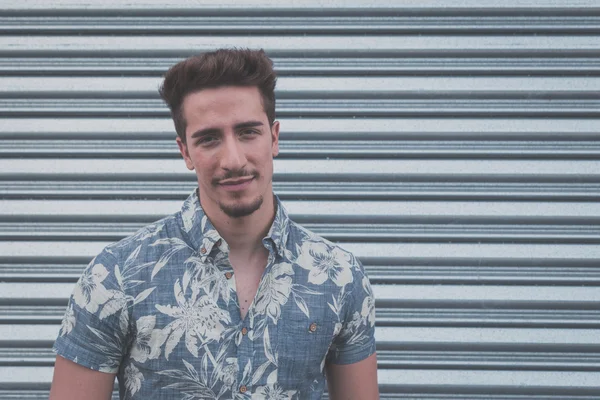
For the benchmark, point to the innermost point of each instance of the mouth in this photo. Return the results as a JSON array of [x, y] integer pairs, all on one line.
[[236, 184]]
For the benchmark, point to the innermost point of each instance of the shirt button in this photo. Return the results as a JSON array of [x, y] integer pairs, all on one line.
[[244, 331], [228, 275], [313, 327], [203, 250], [218, 243], [243, 389]]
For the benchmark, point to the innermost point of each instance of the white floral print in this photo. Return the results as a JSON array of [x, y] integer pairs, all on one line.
[[209, 236], [190, 383], [229, 372], [148, 340], [274, 291], [68, 321], [337, 329], [272, 393], [175, 245], [189, 211], [109, 345], [205, 276], [163, 302], [133, 379], [89, 292], [368, 310], [200, 319], [368, 306], [325, 262]]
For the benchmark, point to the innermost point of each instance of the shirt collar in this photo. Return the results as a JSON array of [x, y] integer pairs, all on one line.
[[203, 236]]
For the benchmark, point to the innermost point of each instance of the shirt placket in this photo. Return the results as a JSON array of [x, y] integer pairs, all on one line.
[[226, 270], [245, 350]]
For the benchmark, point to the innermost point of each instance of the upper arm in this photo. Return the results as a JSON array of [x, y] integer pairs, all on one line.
[[94, 330], [355, 338], [73, 381], [356, 381], [351, 365]]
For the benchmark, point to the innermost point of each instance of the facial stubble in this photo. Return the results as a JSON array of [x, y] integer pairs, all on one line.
[[241, 210]]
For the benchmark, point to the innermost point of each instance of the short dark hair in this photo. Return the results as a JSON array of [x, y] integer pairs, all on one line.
[[223, 67]]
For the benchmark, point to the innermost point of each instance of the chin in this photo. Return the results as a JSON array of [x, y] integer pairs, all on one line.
[[241, 209]]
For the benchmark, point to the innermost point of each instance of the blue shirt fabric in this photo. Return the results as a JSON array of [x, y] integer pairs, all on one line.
[[159, 308]]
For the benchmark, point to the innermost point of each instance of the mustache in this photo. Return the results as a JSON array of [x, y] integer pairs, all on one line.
[[240, 173]]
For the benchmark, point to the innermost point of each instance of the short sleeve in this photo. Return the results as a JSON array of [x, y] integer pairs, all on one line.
[[94, 328], [356, 338]]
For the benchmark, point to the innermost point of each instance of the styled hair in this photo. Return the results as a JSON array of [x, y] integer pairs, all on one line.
[[223, 67]]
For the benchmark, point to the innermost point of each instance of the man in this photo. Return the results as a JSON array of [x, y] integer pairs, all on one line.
[[228, 298]]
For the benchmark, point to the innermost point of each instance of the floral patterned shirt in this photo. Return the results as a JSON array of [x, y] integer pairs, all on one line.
[[159, 309]]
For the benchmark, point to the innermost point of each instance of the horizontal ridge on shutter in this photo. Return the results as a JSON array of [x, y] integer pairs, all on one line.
[[452, 146]]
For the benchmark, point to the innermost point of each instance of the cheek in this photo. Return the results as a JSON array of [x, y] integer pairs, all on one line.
[[267, 169], [263, 162], [204, 168], [201, 172]]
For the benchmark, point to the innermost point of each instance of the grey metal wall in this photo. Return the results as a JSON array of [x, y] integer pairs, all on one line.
[[454, 146]]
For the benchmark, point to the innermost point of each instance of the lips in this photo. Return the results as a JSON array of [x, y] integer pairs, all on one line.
[[237, 181], [236, 184]]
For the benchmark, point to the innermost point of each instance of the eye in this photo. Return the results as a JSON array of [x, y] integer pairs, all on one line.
[[206, 140], [248, 132]]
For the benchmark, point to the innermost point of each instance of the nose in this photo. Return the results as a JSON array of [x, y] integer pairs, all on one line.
[[232, 154]]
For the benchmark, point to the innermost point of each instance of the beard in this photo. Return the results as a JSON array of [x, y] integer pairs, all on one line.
[[241, 210]]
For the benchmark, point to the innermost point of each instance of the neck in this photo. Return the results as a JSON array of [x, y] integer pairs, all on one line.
[[243, 235]]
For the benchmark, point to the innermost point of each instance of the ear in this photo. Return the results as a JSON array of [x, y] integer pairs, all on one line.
[[275, 139], [185, 154]]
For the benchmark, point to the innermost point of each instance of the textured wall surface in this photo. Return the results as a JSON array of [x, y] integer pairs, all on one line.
[[454, 146]]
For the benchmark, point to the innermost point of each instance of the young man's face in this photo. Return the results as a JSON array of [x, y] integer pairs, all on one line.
[[231, 146]]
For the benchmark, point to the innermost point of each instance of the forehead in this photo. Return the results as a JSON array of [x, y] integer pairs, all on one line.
[[223, 106]]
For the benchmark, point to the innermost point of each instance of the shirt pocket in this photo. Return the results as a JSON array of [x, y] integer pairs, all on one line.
[[303, 344]]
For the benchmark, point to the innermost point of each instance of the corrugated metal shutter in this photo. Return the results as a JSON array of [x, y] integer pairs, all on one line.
[[453, 146]]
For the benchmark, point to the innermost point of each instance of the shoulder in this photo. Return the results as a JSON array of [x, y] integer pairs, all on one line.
[[324, 259], [120, 270], [143, 239], [308, 241]]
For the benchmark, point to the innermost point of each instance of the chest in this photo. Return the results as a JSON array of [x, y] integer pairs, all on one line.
[[189, 336], [248, 275], [246, 287]]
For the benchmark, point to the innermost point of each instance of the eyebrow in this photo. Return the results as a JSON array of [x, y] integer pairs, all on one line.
[[241, 125], [249, 124]]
